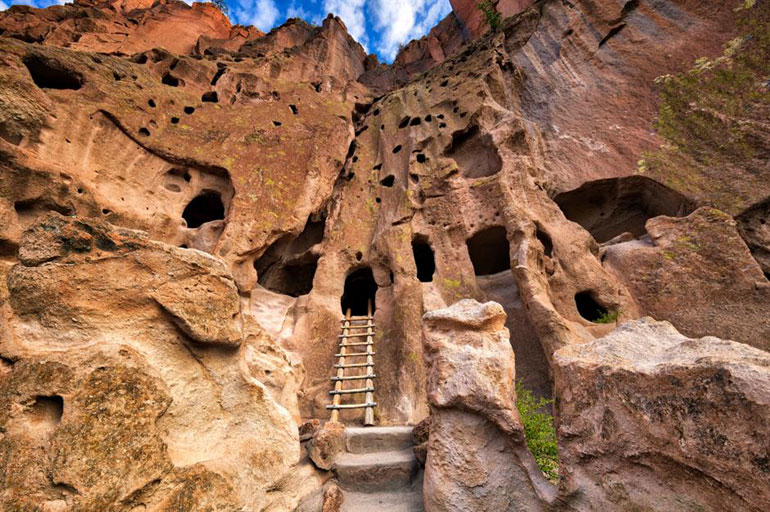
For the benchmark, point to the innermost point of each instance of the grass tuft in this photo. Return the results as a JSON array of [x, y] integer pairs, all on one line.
[[539, 431]]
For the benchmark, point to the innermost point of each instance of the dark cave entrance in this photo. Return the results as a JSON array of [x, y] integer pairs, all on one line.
[[360, 291], [289, 265], [490, 251], [207, 207], [292, 278], [610, 207], [423, 259], [50, 74], [589, 308]]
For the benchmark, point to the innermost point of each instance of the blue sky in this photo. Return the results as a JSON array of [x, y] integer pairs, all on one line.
[[380, 25]]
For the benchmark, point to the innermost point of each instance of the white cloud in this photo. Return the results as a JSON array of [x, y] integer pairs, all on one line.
[[293, 11], [263, 14], [400, 21], [352, 13], [3, 6]]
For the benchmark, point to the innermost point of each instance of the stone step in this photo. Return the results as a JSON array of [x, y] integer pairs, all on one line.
[[382, 502], [376, 472], [378, 439]]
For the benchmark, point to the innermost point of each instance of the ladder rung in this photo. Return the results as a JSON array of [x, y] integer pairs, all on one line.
[[353, 365], [352, 406], [358, 344], [352, 391], [355, 354], [362, 335], [354, 318], [372, 327], [357, 377]]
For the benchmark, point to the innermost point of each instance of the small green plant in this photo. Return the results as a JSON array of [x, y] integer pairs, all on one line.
[[610, 317], [539, 431], [491, 16]]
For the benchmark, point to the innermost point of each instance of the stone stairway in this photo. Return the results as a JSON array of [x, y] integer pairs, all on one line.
[[379, 472]]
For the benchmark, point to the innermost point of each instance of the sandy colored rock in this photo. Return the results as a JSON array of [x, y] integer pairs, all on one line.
[[697, 273], [652, 419], [333, 498], [327, 444], [113, 405], [476, 457], [256, 185]]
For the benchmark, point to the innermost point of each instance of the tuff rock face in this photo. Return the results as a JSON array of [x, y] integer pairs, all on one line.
[[186, 207], [653, 420], [476, 456]]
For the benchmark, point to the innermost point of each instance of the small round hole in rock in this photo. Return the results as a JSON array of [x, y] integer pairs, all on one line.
[[359, 255], [388, 181], [589, 308], [210, 97], [47, 410], [293, 109], [151, 103], [170, 80], [277, 123], [144, 131], [174, 120], [421, 158], [189, 110], [397, 149], [206, 207]]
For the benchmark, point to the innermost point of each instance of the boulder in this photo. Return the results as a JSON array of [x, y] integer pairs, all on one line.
[[697, 273], [652, 420], [476, 458], [115, 390], [327, 443]]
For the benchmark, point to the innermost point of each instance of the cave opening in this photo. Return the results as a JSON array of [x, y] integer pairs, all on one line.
[[424, 259], [589, 308], [289, 265], [475, 153], [292, 277], [49, 74], [360, 291], [610, 207], [544, 239], [490, 251], [206, 207]]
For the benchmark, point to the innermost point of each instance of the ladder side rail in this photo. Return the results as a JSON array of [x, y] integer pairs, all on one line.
[[337, 400], [369, 411]]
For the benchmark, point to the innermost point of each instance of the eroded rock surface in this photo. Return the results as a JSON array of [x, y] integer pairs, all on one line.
[[476, 458], [121, 393], [279, 178], [651, 419]]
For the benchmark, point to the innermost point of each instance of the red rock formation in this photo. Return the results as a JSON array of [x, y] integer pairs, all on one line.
[[118, 26], [472, 20]]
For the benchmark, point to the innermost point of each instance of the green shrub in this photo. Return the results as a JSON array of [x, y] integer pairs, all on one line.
[[491, 16], [610, 317], [539, 431], [713, 119]]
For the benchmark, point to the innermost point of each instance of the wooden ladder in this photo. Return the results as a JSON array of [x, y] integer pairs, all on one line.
[[349, 339]]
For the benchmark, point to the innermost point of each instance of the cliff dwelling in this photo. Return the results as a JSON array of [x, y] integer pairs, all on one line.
[[437, 255]]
